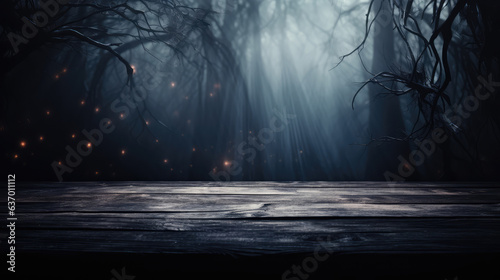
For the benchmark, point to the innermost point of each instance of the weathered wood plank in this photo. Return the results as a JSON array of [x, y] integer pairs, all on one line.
[[261, 239], [158, 222], [265, 191], [488, 197], [278, 210], [261, 184], [258, 218]]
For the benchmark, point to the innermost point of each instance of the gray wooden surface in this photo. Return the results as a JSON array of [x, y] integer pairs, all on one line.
[[257, 218]]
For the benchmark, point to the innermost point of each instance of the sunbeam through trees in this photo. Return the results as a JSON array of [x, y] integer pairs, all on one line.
[[251, 90]]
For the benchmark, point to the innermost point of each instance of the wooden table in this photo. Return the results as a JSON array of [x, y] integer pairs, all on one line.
[[257, 230]]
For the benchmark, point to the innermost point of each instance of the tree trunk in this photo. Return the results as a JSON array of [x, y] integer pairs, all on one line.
[[385, 118]]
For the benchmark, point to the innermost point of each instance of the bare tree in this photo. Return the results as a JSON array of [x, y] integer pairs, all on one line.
[[434, 33], [28, 26]]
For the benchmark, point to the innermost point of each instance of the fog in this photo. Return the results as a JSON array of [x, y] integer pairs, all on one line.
[[230, 90]]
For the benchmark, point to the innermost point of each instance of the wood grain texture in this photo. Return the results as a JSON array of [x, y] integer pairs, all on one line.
[[257, 218]]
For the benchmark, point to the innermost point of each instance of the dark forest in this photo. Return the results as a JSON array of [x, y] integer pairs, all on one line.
[[230, 90]]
